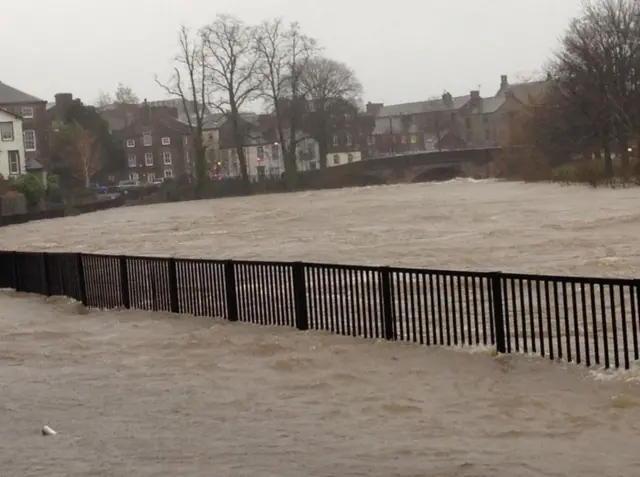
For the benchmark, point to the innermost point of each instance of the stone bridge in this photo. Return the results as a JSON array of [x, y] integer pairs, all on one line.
[[405, 168]]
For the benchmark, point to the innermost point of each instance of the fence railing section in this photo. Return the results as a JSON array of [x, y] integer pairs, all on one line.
[[584, 320]]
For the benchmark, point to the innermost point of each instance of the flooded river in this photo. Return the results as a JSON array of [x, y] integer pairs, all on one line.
[[154, 395], [455, 225], [143, 394]]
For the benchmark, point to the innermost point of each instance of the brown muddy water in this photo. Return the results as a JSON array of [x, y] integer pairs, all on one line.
[[141, 394]]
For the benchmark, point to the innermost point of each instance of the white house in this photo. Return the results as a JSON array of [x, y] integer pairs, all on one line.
[[12, 156]]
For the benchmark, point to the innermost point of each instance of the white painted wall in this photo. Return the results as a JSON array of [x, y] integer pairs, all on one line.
[[340, 158], [17, 144]]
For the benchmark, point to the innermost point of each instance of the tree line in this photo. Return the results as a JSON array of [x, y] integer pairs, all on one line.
[[227, 65], [592, 104]]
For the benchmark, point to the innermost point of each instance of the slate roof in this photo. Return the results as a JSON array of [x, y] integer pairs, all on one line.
[[419, 107], [526, 92], [11, 95]]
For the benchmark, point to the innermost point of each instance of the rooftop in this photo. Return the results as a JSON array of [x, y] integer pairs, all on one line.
[[11, 95]]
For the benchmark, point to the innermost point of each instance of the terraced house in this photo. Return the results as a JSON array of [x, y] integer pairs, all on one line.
[[156, 143], [35, 125], [450, 122]]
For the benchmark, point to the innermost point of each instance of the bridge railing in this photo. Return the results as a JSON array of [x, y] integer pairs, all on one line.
[[592, 321]]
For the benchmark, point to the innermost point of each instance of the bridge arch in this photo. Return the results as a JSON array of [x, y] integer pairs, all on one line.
[[438, 174]]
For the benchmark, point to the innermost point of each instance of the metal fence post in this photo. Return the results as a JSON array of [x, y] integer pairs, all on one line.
[[124, 282], [300, 296], [82, 284], [230, 290], [498, 315], [46, 286], [16, 270], [388, 318], [174, 298]]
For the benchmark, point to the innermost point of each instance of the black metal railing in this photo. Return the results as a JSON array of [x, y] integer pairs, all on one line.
[[594, 321]]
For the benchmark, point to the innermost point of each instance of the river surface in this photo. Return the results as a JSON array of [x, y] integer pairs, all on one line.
[[135, 394], [454, 225], [142, 394]]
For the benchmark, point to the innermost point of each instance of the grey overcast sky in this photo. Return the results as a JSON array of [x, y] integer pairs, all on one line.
[[403, 50]]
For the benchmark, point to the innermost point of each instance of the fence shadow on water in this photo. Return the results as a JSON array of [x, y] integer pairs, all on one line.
[[592, 321]]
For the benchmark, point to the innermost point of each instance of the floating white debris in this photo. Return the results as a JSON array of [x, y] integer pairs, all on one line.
[[47, 431]]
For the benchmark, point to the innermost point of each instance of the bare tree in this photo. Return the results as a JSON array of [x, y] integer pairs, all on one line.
[[85, 154], [284, 53], [597, 72], [231, 65], [189, 84], [329, 86], [124, 95], [104, 100]]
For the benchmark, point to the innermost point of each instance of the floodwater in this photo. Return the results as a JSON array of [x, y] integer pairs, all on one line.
[[141, 394], [137, 394], [462, 224]]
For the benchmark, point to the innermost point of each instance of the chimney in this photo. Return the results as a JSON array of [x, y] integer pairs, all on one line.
[[475, 95], [373, 108], [447, 99], [504, 82], [63, 103]]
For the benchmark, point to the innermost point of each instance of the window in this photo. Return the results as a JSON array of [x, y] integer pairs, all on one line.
[[312, 106], [29, 140], [166, 141], [168, 173], [275, 152], [147, 140], [6, 130], [133, 176], [131, 143], [187, 159], [349, 139], [347, 117], [186, 140], [335, 140], [166, 158], [260, 152], [371, 139], [350, 158], [27, 112], [336, 159], [132, 160], [414, 139], [148, 159], [151, 177], [14, 162], [403, 140]]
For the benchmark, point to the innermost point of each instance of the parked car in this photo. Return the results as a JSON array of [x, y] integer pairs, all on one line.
[[124, 186]]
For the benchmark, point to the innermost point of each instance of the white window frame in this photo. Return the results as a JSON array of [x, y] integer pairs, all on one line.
[[29, 132], [151, 176], [168, 173], [13, 132], [350, 158], [131, 143], [17, 159], [146, 143], [148, 159], [336, 141], [132, 160], [349, 139], [166, 141], [165, 155], [336, 159], [27, 112], [133, 176]]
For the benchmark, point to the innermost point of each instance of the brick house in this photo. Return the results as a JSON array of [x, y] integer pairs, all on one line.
[[157, 145], [35, 123]]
